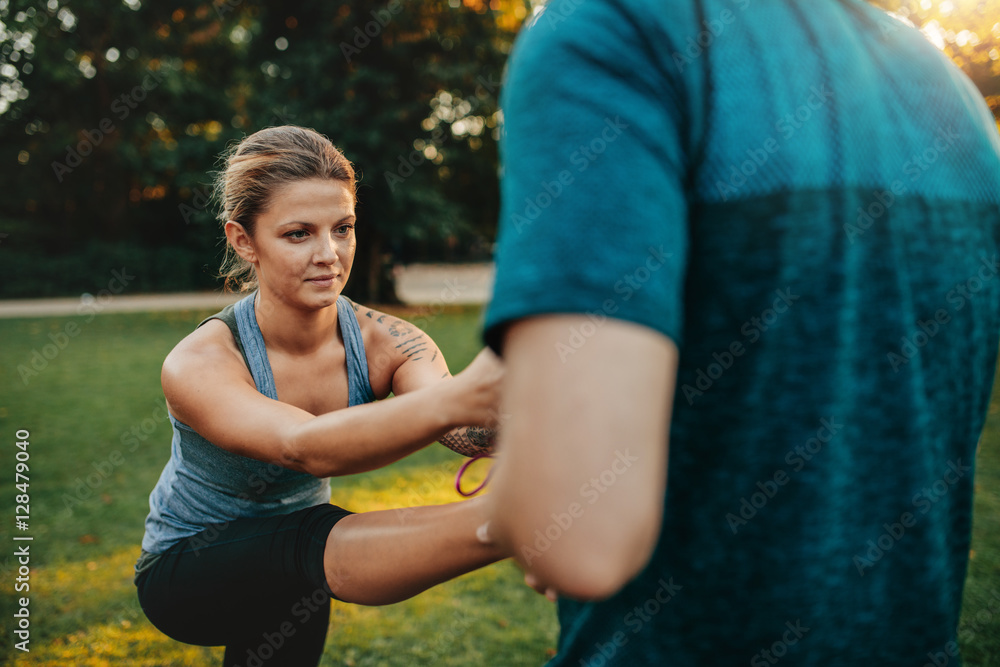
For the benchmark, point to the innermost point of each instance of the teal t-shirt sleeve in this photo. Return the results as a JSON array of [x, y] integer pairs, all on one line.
[[593, 210]]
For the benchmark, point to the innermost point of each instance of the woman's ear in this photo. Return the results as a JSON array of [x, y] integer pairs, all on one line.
[[240, 240]]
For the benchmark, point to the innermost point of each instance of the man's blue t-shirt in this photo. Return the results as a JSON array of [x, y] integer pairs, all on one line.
[[806, 198]]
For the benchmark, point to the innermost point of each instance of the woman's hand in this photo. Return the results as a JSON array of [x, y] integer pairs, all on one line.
[[477, 391]]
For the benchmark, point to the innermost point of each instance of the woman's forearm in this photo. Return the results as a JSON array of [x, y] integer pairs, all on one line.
[[370, 436], [470, 440]]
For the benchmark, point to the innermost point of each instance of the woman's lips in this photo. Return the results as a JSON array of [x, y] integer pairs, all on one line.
[[322, 281]]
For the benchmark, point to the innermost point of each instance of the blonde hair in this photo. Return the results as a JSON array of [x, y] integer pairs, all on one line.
[[256, 168]]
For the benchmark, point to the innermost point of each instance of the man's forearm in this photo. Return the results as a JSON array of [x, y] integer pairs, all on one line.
[[577, 497]]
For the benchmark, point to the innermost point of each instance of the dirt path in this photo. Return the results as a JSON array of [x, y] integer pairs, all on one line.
[[415, 285]]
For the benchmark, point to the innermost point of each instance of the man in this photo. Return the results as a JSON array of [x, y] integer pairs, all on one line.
[[748, 302]]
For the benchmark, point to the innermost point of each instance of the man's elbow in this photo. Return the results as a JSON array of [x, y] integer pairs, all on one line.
[[586, 567]]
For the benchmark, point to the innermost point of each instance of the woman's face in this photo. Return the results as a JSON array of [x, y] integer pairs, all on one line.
[[303, 245]]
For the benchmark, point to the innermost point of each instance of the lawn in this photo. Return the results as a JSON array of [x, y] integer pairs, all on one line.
[[99, 439], [98, 442]]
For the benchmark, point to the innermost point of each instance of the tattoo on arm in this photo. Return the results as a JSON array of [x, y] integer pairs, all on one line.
[[381, 317], [407, 342], [415, 348], [412, 345], [470, 440], [400, 328]]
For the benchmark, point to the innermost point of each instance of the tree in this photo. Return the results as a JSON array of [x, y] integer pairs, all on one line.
[[968, 31], [410, 95], [115, 117]]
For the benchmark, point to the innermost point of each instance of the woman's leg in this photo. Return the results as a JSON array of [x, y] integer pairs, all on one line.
[[278, 636], [382, 557], [261, 586], [255, 586]]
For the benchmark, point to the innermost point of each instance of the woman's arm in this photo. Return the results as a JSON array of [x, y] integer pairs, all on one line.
[[209, 388], [466, 440], [415, 362]]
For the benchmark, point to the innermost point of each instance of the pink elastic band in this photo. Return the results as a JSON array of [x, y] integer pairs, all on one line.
[[461, 471]]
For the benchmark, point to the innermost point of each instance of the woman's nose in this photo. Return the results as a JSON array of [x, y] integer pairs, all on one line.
[[327, 252]]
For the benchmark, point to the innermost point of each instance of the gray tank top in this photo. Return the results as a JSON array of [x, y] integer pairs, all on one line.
[[203, 484]]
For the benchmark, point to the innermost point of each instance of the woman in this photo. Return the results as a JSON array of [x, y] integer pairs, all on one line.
[[274, 394]]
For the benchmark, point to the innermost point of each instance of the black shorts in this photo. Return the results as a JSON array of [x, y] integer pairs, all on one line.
[[256, 586]]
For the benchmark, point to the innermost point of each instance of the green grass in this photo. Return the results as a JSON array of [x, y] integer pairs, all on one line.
[[91, 475]]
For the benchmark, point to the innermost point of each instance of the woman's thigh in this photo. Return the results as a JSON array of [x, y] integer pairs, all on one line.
[[250, 577]]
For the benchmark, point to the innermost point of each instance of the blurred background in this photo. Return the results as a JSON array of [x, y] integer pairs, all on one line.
[[113, 115]]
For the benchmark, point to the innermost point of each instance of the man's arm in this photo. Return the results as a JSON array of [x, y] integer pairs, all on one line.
[[578, 493]]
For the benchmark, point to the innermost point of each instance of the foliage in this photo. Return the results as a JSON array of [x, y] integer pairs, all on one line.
[[968, 31], [113, 119], [113, 116]]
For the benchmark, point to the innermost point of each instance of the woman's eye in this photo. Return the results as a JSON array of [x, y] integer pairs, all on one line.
[[344, 229], [296, 234]]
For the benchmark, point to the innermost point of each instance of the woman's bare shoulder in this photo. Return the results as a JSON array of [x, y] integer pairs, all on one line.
[[209, 349], [390, 341], [377, 324], [401, 356]]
